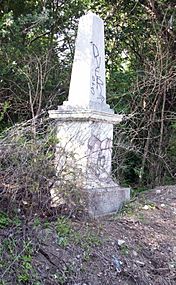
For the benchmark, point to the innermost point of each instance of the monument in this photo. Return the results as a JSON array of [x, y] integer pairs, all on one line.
[[85, 123]]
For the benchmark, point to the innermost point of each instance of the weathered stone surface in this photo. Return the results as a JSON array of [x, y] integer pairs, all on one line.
[[106, 200], [85, 123], [88, 85]]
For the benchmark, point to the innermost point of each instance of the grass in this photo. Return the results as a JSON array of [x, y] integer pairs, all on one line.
[[5, 221], [64, 231], [66, 235], [18, 250]]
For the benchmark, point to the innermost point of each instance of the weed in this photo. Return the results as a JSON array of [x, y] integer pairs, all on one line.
[[63, 227], [124, 249], [128, 209], [87, 242], [64, 231], [150, 205], [62, 277], [16, 221], [87, 253], [67, 235], [5, 221], [24, 277], [136, 191], [141, 217], [46, 225], [25, 263], [36, 222], [92, 239], [9, 245], [2, 282]]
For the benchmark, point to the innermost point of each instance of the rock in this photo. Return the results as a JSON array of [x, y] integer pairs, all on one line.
[[140, 263], [134, 253], [120, 242], [146, 207]]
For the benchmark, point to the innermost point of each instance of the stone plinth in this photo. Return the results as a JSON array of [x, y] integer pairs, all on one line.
[[85, 124], [86, 138]]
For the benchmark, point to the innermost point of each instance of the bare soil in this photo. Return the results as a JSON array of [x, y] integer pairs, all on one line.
[[136, 246]]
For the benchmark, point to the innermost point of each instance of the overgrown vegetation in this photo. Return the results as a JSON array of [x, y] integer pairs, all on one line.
[[27, 172], [23, 250], [37, 47], [36, 52], [38, 245], [26, 168]]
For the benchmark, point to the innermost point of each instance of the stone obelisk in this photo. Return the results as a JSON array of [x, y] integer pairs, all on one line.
[[85, 122]]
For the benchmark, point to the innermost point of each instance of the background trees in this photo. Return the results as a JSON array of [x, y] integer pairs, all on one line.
[[36, 52]]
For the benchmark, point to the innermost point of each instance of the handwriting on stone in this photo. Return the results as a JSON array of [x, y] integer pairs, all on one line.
[[97, 82]]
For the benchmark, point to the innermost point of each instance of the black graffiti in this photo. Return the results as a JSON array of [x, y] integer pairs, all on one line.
[[99, 155], [97, 82]]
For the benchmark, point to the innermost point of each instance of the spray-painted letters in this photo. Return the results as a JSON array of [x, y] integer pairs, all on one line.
[[97, 83]]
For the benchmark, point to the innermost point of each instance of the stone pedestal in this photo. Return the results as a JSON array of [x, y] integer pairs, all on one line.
[[85, 123], [86, 138]]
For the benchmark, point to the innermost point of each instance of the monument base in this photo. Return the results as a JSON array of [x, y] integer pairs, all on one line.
[[100, 201], [104, 201]]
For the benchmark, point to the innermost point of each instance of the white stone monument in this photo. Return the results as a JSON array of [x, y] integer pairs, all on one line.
[[85, 123]]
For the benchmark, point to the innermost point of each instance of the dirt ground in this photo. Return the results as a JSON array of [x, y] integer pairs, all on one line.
[[136, 246]]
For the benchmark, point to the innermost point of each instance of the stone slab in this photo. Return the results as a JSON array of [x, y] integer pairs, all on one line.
[[105, 201], [63, 114]]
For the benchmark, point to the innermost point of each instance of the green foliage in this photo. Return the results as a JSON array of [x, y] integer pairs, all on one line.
[[130, 169], [124, 250], [67, 235], [64, 231], [3, 110], [5, 221], [118, 87], [20, 255], [137, 190], [17, 253], [36, 54], [37, 41], [25, 274], [172, 143], [28, 160]]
